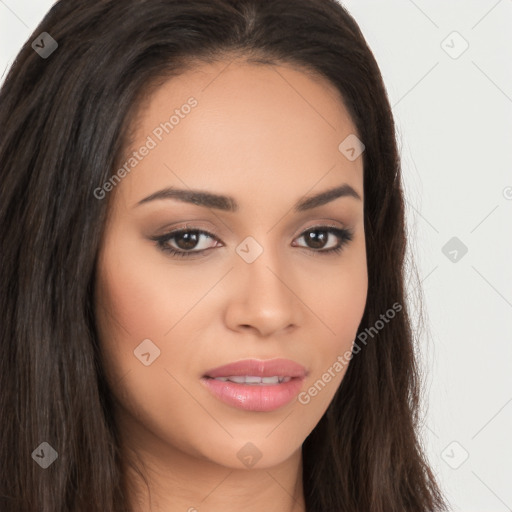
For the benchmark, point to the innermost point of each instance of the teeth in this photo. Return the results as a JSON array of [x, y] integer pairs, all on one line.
[[241, 380], [252, 380]]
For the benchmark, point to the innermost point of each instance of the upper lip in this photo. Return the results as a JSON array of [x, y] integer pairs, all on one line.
[[259, 368]]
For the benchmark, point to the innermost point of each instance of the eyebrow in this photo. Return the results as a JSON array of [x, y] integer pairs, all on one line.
[[229, 204]]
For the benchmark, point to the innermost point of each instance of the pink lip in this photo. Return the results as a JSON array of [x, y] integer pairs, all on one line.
[[259, 368], [260, 398]]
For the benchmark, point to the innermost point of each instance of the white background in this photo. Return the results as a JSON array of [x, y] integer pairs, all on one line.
[[454, 120]]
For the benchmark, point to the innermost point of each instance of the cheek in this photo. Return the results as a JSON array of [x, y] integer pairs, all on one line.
[[341, 299], [340, 305], [135, 291], [131, 305], [139, 298], [133, 298]]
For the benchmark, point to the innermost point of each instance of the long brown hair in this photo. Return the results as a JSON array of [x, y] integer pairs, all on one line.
[[65, 119]]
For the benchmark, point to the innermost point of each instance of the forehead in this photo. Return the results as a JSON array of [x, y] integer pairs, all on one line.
[[240, 88], [241, 125]]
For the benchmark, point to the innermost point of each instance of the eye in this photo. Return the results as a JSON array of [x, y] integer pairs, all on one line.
[[185, 242], [319, 236]]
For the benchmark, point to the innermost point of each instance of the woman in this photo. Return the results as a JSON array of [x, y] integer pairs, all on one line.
[[202, 277]]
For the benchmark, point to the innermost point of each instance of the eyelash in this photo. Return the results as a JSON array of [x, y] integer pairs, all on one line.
[[344, 236]]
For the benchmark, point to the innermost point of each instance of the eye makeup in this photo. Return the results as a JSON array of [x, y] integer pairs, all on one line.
[[320, 234]]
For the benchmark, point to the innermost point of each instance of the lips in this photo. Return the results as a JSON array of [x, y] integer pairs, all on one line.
[[259, 368], [251, 384]]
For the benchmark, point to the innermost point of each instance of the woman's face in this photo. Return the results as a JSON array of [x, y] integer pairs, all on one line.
[[258, 285]]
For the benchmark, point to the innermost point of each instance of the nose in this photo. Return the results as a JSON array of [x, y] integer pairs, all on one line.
[[262, 297]]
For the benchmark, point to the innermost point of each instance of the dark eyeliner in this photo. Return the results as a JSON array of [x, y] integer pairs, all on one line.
[[344, 236], [162, 242]]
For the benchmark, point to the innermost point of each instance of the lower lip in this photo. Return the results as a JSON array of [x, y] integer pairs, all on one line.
[[254, 397]]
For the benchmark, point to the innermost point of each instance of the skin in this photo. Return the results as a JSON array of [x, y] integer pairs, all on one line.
[[267, 136]]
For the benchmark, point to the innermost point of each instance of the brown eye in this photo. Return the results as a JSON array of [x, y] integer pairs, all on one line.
[[187, 240], [183, 242], [318, 237]]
